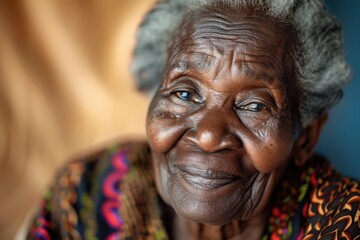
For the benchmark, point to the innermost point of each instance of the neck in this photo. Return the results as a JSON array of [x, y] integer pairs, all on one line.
[[236, 230]]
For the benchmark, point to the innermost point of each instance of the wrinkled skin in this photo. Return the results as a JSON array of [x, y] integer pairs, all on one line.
[[224, 121]]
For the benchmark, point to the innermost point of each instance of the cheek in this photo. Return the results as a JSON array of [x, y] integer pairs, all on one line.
[[163, 128], [273, 147], [162, 177]]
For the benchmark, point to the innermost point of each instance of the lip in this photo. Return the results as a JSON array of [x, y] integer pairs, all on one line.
[[205, 178]]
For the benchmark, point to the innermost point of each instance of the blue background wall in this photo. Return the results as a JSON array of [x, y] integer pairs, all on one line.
[[340, 141]]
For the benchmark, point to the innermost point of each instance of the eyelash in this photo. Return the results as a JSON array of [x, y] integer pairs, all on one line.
[[192, 96], [258, 108]]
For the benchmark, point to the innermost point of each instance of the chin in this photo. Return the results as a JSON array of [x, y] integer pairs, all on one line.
[[203, 214], [211, 205], [221, 212]]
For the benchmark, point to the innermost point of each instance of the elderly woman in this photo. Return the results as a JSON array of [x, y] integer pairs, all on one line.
[[241, 93]]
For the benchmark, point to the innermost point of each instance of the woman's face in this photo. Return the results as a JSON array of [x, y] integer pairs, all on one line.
[[221, 126]]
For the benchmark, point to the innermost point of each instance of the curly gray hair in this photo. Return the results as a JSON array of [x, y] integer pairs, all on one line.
[[321, 67]]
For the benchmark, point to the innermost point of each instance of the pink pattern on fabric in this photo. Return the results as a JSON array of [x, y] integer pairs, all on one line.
[[112, 183], [110, 210], [114, 236], [111, 189], [41, 233], [120, 163]]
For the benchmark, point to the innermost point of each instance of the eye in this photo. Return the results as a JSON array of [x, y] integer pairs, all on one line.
[[254, 107], [188, 96], [184, 95]]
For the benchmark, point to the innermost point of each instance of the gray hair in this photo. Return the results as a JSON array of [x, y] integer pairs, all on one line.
[[320, 64]]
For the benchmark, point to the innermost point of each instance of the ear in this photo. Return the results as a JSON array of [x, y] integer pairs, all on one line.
[[307, 140]]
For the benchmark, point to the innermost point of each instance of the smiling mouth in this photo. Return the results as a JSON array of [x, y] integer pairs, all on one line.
[[206, 179]]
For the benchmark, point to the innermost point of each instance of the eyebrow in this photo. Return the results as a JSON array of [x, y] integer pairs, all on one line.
[[267, 76], [202, 62], [197, 61]]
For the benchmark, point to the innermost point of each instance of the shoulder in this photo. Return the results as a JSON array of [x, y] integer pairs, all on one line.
[[334, 205], [120, 156], [99, 173], [85, 192]]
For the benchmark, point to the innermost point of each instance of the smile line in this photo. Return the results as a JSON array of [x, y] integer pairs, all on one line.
[[208, 179]]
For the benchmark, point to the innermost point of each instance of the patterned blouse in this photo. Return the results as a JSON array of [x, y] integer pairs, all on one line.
[[111, 195]]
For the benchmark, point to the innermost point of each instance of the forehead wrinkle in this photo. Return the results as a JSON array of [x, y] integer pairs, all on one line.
[[245, 68], [267, 66], [258, 43], [233, 33], [253, 40], [248, 34], [205, 55], [273, 65], [243, 60], [223, 25]]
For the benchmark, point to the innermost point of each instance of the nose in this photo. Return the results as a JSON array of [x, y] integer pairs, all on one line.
[[214, 131]]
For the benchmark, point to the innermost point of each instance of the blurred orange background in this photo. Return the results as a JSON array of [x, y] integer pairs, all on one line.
[[65, 87]]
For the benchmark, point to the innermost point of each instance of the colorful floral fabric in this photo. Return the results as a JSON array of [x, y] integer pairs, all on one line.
[[111, 195], [315, 202]]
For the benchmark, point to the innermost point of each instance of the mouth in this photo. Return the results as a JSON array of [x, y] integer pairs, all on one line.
[[206, 178]]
